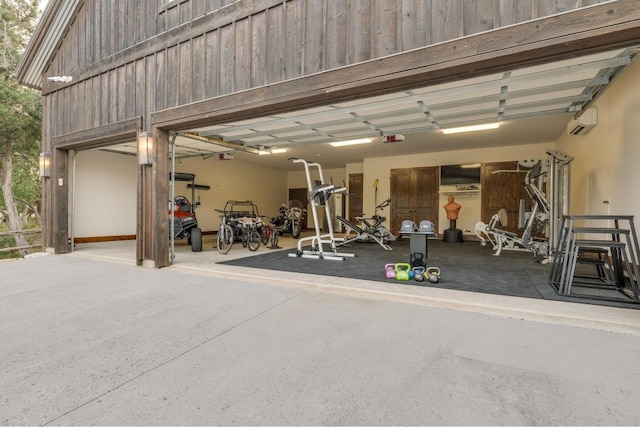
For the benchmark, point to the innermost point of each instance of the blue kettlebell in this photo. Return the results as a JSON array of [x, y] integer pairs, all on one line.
[[418, 273]]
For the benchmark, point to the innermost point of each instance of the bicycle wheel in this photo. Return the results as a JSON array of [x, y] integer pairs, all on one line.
[[274, 238], [264, 234], [253, 240], [225, 239]]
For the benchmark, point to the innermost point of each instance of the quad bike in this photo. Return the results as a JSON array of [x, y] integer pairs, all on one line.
[[290, 219], [239, 221], [185, 224]]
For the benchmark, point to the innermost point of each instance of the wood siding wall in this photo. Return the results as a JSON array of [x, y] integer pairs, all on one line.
[[130, 58]]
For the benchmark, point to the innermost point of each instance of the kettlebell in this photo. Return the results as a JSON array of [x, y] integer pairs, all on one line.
[[418, 274], [417, 260], [433, 274], [402, 271], [389, 271]]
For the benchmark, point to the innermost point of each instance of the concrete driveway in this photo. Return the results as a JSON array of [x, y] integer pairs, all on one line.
[[89, 341]]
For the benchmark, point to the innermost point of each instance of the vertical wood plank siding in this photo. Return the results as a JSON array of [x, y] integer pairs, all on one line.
[[200, 49], [259, 45]]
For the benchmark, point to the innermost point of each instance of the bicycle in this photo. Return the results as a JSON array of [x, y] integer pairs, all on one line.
[[270, 233], [244, 225], [226, 234], [250, 235]]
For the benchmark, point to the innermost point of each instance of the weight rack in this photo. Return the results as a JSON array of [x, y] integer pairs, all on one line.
[[608, 242]]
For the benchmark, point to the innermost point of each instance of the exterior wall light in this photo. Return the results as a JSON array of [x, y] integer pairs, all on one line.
[[60, 79], [44, 165], [145, 148]]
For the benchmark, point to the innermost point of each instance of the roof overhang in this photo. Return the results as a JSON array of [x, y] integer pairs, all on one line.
[[46, 39]]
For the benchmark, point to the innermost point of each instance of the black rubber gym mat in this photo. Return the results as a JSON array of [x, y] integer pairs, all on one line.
[[465, 266]]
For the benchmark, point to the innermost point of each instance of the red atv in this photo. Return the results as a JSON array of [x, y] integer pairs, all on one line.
[[184, 222]]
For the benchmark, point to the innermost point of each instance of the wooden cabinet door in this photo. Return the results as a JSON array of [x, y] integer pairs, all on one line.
[[355, 196], [414, 196], [503, 190]]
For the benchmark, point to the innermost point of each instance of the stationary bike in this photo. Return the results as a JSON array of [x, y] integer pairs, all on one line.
[[374, 225]]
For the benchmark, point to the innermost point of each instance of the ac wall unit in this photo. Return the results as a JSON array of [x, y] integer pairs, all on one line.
[[582, 124]]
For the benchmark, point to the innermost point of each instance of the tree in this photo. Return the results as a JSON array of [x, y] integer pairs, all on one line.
[[20, 117]]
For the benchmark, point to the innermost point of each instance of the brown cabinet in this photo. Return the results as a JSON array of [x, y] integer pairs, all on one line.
[[503, 188], [414, 195]]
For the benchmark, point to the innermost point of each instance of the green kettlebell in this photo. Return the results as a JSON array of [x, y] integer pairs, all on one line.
[[402, 271]]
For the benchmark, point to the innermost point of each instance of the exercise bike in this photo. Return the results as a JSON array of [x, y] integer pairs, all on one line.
[[373, 225]]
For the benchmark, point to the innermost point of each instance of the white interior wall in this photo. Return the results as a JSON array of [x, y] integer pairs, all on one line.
[[232, 180], [105, 194], [380, 169], [106, 189], [606, 166]]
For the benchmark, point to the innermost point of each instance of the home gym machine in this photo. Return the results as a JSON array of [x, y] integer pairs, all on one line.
[[319, 195], [545, 216], [372, 229]]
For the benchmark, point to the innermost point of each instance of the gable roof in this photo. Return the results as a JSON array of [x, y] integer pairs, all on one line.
[[47, 37]]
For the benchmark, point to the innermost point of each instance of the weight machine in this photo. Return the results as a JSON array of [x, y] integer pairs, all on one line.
[[319, 195], [545, 216], [377, 227], [371, 229]]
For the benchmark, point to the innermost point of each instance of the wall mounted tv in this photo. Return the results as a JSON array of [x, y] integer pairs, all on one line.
[[460, 174]]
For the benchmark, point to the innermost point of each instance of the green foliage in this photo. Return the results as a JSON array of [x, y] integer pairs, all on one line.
[[9, 242], [17, 22], [20, 108], [20, 133]]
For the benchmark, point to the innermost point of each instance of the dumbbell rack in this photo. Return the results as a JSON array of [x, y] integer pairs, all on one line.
[[610, 244]]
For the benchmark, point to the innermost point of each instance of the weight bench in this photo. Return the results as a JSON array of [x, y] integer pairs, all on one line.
[[362, 235]]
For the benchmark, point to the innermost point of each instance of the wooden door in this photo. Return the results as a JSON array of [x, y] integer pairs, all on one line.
[[503, 190], [414, 196], [355, 196]]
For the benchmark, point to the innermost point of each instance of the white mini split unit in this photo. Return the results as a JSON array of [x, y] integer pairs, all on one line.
[[582, 124]]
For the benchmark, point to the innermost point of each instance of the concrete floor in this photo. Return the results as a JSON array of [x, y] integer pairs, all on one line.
[[90, 339], [206, 263]]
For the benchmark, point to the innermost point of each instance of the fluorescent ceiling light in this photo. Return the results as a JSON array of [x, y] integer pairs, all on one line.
[[272, 151], [471, 128], [351, 142]]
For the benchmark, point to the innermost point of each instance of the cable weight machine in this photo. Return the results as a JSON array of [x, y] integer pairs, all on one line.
[[319, 195], [547, 184]]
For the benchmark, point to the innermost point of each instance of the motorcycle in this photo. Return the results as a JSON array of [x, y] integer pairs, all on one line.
[[290, 219]]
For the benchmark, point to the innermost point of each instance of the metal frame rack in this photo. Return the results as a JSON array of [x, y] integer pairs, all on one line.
[[610, 244]]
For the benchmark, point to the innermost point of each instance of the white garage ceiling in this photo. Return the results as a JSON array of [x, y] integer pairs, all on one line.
[[531, 104]]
